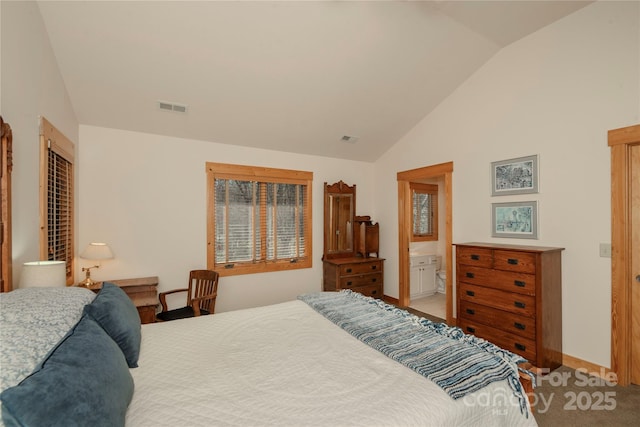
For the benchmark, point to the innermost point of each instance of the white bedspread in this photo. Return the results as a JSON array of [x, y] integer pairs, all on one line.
[[286, 365]]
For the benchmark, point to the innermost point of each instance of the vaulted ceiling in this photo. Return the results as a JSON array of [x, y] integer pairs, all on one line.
[[293, 76]]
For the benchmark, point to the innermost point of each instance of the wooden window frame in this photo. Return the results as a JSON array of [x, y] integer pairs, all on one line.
[[432, 191], [53, 141], [261, 174]]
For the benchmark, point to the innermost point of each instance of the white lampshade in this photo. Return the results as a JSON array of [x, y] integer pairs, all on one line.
[[97, 251], [43, 273]]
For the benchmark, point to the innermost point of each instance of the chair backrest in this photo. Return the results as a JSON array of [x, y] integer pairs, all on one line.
[[203, 283]]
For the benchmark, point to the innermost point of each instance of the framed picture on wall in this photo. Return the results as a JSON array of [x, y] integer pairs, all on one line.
[[514, 176], [515, 219]]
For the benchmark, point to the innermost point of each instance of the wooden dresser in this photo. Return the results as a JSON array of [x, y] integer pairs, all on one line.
[[511, 295], [364, 275]]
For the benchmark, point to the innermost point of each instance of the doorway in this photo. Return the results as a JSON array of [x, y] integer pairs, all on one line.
[[421, 175], [625, 241]]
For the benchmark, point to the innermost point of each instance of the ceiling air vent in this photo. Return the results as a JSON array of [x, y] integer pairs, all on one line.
[[171, 106], [349, 139]]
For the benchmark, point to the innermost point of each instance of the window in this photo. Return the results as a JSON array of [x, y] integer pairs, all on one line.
[[424, 201], [56, 197], [258, 219]]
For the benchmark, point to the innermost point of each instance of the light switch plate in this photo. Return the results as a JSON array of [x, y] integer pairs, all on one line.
[[605, 250]]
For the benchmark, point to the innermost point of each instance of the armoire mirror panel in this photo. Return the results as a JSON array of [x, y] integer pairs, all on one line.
[[339, 212]]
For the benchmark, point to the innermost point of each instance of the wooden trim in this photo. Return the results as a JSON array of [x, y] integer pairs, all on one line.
[[43, 197], [6, 166], [426, 172], [448, 189], [404, 237], [390, 300], [243, 172], [623, 136], [59, 142], [404, 228], [591, 368], [620, 141]]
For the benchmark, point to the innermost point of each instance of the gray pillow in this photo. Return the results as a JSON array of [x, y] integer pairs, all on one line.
[[83, 381], [115, 312]]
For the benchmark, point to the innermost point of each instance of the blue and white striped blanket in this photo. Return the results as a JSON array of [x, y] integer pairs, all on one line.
[[460, 364]]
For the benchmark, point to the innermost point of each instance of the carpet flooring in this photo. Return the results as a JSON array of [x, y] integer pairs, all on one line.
[[569, 398], [566, 398]]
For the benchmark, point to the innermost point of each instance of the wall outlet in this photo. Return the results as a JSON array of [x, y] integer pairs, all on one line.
[[605, 250]]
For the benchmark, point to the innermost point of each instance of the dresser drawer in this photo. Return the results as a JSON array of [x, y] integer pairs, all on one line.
[[524, 305], [351, 282], [360, 268], [508, 281], [374, 291], [514, 261], [478, 257], [514, 343], [509, 322]]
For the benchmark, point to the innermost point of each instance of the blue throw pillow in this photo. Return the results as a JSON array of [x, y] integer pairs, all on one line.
[[115, 312], [83, 381]]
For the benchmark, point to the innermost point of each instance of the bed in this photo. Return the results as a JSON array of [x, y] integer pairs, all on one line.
[[325, 359]]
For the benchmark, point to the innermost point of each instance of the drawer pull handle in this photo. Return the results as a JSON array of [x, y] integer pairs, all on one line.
[[374, 280], [519, 283], [374, 292], [512, 261], [519, 304], [519, 326], [470, 275], [348, 283], [373, 267], [470, 329], [471, 293], [469, 311], [348, 270], [475, 257], [521, 347]]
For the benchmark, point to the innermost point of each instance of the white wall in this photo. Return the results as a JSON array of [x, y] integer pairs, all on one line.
[[31, 87], [145, 195], [554, 93]]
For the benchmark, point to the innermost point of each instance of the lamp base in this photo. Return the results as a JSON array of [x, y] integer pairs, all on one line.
[[87, 282]]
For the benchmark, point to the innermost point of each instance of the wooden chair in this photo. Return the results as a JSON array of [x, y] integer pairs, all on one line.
[[201, 297]]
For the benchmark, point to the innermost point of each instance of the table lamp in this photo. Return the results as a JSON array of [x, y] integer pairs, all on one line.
[[43, 273], [94, 252]]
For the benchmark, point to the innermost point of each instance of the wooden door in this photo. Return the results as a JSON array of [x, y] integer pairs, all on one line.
[[625, 244], [635, 263]]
